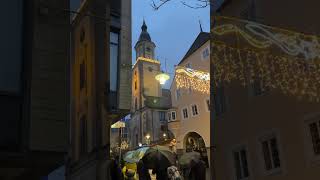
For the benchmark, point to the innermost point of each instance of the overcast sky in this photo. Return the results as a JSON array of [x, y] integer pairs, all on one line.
[[173, 28]]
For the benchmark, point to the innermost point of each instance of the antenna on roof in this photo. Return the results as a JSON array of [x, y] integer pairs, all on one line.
[[200, 26]]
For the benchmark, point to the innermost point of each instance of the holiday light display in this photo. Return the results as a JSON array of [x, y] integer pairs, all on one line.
[[189, 78], [283, 60]]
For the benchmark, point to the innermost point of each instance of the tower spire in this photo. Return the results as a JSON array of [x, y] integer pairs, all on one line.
[[144, 26]]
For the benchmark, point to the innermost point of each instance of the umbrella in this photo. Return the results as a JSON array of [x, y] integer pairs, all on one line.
[[158, 157], [135, 156], [187, 159]]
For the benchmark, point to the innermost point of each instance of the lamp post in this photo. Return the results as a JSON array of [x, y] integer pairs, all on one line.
[[162, 78]]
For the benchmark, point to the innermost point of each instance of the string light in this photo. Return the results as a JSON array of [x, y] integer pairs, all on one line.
[[295, 72], [195, 80]]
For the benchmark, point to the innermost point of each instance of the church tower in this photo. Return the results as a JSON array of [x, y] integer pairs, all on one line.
[[145, 47], [146, 92]]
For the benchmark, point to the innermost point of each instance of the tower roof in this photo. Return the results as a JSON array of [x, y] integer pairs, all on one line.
[[144, 35]]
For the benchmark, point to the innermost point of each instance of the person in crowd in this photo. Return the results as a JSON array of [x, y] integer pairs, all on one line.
[[142, 171], [198, 171], [115, 170]]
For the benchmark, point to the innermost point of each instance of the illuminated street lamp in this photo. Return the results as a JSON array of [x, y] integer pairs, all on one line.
[[162, 78], [140, 144]]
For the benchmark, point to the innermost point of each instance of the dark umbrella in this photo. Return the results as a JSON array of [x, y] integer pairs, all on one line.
[[158, 157], [189, 158]]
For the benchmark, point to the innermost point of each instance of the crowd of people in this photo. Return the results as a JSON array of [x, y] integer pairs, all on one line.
[[196, 171]]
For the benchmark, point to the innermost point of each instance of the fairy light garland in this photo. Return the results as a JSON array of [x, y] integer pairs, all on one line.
[[189, 78], [292, 75], [295, 72]]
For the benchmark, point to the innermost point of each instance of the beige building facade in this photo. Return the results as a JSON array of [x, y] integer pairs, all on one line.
[[260, 133], [189, 118]]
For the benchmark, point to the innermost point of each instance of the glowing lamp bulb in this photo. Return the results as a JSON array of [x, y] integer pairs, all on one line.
[[162, 78]]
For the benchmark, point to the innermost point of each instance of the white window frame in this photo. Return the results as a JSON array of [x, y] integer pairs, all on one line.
[[266, 136], [238, 148], [175, 113], [313, 159], [183, 113], [191, 106]]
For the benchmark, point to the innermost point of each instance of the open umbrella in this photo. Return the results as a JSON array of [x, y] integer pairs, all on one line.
[[136, 155], [158, 157], [187, 159]]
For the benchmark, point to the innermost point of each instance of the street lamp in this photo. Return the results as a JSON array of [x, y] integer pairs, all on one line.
[[164, 135], [162, 78], [140, 144]]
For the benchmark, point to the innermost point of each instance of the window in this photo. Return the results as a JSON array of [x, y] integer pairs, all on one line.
[[208, 104], [169, 116], [114, 57], [178, 94], [220, 100], [82, 75], [315, 137], [173, 115], [270, 152], [185, 113], [205, 53], [135, 85], [188, 65], [83, 135], [241, 164], [162, 116], [194, 108]]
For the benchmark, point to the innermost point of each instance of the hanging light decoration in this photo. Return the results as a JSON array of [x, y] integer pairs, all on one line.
[[284, 60], [162, 78], [188, 78]]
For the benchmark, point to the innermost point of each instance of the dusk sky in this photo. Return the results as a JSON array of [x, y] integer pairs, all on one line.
[[173, 28]]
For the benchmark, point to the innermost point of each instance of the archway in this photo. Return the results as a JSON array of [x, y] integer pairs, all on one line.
[[194, 142]]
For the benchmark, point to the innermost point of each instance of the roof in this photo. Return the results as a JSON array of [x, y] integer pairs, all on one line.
[[144, 35], [202, 38]]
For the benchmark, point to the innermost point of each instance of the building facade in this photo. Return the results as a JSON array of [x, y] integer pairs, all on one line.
[[100, 77], [149, 101], [33, 88], [260, 132], [189, 117]]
